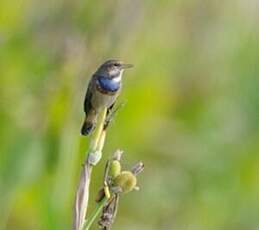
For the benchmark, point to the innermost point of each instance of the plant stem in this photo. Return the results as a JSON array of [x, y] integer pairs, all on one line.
[[95, 213], [82, 195], [99, 130]]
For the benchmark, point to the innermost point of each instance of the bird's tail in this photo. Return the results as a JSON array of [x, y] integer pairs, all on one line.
[[87, 128], [89, 124]]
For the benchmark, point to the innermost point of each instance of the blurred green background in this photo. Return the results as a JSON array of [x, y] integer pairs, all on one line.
[[191, 113]]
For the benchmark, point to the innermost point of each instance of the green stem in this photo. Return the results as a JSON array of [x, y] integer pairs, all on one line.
[[95, 213], [96, 146], [99, 129]]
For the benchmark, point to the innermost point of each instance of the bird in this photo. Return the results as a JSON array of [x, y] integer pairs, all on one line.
[[103, 89]]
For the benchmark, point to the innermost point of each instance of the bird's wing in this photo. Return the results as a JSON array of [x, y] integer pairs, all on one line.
[[88, 98]]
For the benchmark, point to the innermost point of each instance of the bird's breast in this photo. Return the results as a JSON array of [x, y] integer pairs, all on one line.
[[101, 99]]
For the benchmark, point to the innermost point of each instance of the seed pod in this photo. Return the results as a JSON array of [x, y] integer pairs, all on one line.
[[114, 169], [126, 180]]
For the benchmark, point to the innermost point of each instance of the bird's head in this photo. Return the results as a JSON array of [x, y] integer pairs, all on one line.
[[113, 68]]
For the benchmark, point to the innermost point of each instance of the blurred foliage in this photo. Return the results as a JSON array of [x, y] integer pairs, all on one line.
[[192, 111]]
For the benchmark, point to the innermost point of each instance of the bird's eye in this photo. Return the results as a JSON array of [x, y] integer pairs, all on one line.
[[117, 64]]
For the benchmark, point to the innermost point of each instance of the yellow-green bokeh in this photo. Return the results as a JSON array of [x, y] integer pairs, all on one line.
[[191, 110]]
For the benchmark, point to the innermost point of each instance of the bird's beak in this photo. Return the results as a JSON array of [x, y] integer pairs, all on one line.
[[126, 66]]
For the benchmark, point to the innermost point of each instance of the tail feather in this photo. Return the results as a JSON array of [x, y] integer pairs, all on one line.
[[89, 123], [87, 128]]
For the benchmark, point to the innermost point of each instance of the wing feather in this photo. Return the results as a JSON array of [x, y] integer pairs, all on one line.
[[88, 98]]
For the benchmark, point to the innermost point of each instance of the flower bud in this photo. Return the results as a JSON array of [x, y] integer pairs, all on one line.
[[114, 169], [126, 180]]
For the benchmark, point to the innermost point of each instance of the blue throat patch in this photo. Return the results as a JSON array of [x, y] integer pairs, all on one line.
[[108, 84]]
